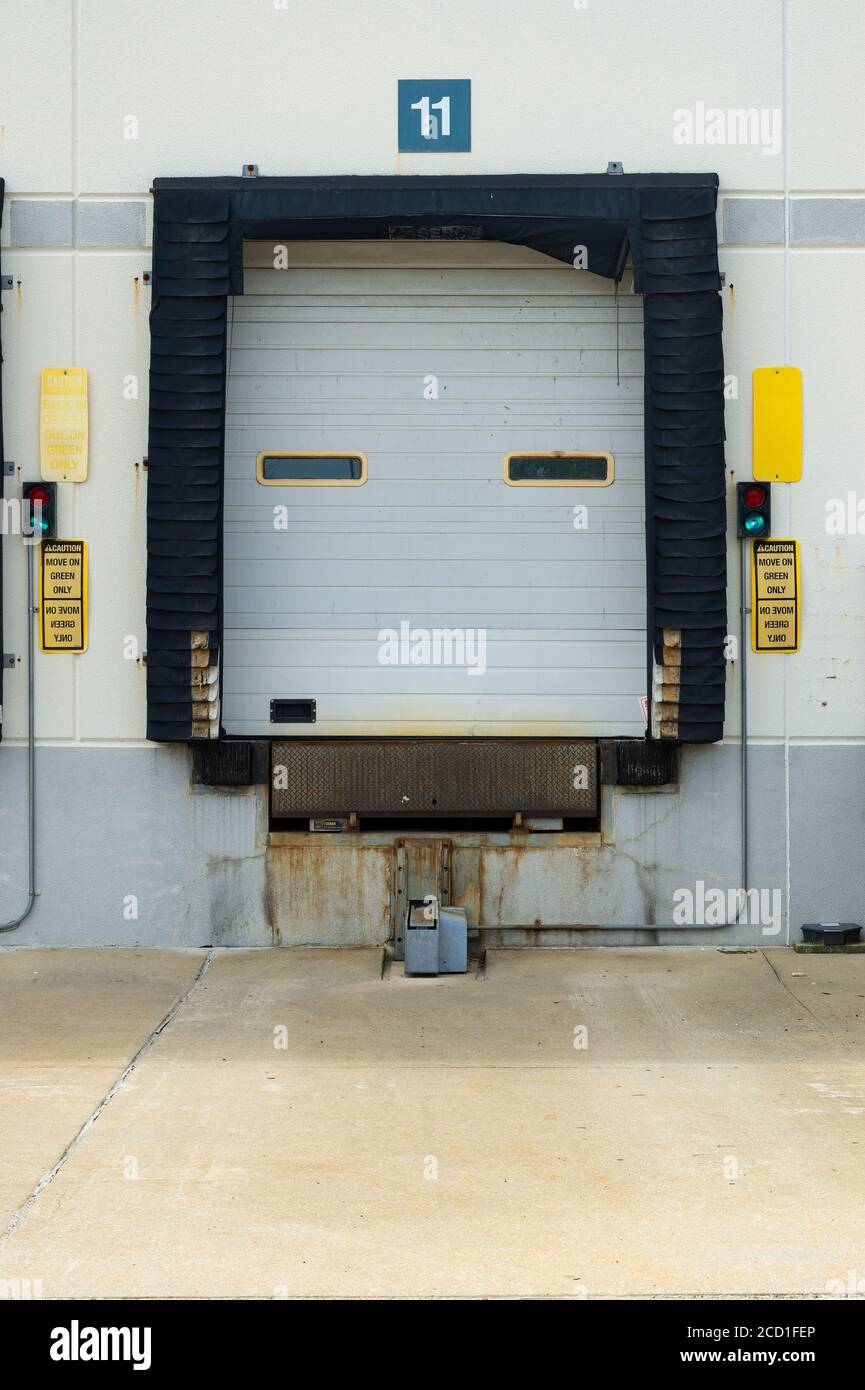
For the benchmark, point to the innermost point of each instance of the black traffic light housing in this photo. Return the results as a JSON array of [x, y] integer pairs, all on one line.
[[753, 510], [39, 499]]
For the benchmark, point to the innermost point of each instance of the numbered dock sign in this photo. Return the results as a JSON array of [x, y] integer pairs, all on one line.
[[775, 596], [434, 116], [63, 596]]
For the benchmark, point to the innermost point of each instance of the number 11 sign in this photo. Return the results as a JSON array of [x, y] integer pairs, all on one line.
[[434, 116]]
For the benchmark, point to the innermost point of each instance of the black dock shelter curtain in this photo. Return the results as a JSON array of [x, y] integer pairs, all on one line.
[[667, 224]]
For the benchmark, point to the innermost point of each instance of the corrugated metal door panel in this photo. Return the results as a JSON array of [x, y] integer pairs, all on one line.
[[329, 358]]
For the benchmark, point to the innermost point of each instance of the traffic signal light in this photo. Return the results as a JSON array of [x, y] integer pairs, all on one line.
[[753, 509], [39, 504]]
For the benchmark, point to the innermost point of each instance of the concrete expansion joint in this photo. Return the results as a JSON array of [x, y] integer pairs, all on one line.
[[48, 1178]]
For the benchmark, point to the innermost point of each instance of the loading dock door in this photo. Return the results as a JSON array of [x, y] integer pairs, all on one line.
[[432, 364]]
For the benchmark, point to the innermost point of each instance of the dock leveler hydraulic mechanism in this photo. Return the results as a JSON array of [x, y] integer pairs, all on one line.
[[436, 938]]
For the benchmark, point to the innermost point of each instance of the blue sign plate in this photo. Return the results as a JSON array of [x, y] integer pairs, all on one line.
[[434, 117]]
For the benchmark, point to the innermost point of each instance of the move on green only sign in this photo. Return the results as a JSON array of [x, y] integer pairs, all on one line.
[[63, 596], [775, 596]]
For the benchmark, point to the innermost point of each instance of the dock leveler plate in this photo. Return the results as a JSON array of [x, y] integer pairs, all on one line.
[[434, 778]]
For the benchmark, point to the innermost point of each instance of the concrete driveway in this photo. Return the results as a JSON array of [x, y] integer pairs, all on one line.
[[568, 1123]]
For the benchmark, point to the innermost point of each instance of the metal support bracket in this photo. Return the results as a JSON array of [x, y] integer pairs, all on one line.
[[8, 468], [249, 171], [6, 282], [615, 166], [9, 661], [422, 871]]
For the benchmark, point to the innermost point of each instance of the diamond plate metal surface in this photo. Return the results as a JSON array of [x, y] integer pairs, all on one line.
[[434, 777]]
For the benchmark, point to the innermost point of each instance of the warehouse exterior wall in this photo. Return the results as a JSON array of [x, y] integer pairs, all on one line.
[[119, 818]]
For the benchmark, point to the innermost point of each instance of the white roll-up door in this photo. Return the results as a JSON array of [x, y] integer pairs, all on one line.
[[433, 363]]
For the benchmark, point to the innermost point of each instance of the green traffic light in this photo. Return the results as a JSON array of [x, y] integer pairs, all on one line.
[[755, 523]]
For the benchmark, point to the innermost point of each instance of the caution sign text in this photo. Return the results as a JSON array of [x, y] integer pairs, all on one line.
[[63, 596], [775, 596], [63, 425]]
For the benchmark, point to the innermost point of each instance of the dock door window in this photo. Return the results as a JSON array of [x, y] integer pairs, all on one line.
[[311, 470], [559, 470]]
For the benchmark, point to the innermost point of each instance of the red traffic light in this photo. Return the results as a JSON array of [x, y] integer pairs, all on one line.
[[40, 508], [753, 509]]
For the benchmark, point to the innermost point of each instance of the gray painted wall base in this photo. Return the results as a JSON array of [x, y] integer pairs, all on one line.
[[115, 824], [131, 854]]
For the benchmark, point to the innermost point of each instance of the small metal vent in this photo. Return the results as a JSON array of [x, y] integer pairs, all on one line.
[[434, 778]]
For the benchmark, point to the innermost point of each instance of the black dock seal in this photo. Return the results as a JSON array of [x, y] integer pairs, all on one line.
[[665, 221]]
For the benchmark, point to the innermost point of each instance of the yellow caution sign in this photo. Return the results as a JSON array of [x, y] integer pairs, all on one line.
[[777, 421], [63, 596], [63, 424], [775, 596]]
